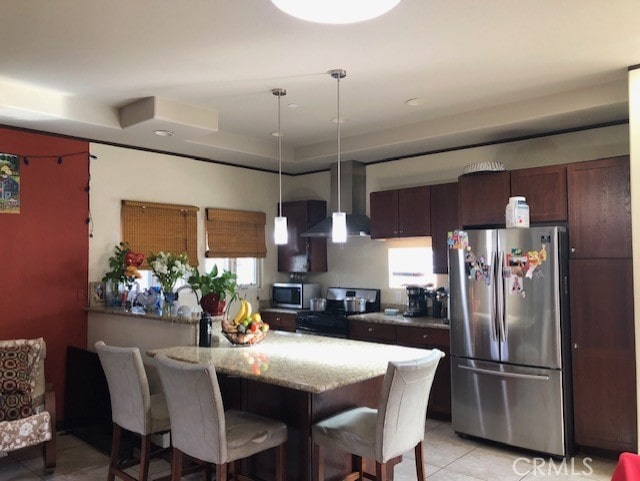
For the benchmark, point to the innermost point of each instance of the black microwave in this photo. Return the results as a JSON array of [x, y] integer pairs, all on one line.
[[293, 295]]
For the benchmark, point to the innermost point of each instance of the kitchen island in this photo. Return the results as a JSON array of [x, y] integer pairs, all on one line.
[[299, 379]]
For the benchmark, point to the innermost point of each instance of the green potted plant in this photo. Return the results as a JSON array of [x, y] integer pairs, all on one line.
[[123, 264], [214, 289]]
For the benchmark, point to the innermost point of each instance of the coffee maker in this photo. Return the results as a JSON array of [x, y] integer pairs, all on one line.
[[416, 302]]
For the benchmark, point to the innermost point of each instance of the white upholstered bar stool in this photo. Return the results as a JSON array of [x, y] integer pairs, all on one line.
[[384, 433], [203, 431], [133, 408]]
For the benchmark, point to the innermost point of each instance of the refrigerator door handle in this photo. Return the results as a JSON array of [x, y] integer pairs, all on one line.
[[495, 315], [501, 320], [536, 377]]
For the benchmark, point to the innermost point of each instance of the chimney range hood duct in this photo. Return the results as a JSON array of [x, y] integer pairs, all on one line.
[[353, 201]]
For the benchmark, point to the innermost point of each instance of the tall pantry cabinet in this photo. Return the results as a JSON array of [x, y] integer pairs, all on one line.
[[601, 297]]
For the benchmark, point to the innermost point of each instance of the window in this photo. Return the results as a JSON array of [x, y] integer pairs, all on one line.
[[235, 233], [410, 265], [246, 268], [151, 227]]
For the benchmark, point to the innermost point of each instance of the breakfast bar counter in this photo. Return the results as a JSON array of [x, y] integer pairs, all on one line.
[[299, 379]]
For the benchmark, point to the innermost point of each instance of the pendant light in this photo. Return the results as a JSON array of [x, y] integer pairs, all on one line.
[[339, 218], [280, 233], [335, 11]]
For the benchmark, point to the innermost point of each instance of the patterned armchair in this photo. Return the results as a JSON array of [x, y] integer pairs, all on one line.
[[27, 409]]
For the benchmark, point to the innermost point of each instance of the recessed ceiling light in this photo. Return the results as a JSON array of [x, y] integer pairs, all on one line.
[[335, 11], [277, 134], [342, 120], [164, 133], [415, 102], [292, 105]]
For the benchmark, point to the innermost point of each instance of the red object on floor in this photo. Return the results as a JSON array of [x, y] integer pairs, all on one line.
[[628, 468]]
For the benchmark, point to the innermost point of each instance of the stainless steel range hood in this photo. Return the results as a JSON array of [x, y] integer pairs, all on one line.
[[353, 200]]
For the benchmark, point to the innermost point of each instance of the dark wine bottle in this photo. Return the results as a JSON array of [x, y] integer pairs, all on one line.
[[205, 330]]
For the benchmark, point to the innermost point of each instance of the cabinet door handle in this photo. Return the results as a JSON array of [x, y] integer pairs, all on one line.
[[277, 318], [575, 345], [573, 250], [424, 336], [370, 329]]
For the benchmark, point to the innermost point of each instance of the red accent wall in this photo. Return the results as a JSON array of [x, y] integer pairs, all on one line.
[[44, 250]]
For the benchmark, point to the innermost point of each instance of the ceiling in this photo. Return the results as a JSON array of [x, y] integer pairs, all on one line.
[[116, 71]]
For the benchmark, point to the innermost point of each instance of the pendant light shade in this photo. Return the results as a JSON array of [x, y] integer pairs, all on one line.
[[335, 11], [339, 218], [280, 232], [339, 229]]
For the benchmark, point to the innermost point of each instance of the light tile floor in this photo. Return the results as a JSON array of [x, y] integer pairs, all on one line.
[[447, 458]]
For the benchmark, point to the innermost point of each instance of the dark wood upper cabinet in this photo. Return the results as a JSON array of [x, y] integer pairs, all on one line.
[[384, 214], [599, 208], [414, 211], [482, 198], [603, 353], [400, 213], [545, 189], [444, 218], [303, 254]]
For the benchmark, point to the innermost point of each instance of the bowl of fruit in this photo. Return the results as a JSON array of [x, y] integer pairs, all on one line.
[[246, 328]]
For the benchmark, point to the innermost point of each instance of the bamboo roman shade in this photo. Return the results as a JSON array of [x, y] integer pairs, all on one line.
[[150, 227], [235, 233]]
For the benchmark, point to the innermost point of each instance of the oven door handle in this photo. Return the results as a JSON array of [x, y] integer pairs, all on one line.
[[317, 332]]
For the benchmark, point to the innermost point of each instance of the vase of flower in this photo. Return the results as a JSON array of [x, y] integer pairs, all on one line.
[[121, 277], [168, 268], [113, 293], [169, 300]]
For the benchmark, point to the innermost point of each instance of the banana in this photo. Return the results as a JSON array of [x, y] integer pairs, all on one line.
[[249, 308], [241, 314]]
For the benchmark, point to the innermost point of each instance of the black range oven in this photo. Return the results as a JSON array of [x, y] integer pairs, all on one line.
[[333, 321]]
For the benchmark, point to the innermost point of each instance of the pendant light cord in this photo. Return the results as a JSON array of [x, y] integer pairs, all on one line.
[[279, 160], [338, 122]]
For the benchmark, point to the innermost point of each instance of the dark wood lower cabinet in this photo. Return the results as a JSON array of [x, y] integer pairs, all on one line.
[[429, 338], [603, 353], [372, 331], [423, 337], [282, 321]]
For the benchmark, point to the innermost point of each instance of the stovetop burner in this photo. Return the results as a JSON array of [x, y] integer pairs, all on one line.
[[333, 321]]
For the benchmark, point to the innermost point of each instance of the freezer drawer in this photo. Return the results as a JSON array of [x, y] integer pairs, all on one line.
[[519, 406]]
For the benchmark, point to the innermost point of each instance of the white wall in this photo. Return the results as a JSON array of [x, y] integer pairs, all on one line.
[[363, 262], [120, 173], [634, 138]]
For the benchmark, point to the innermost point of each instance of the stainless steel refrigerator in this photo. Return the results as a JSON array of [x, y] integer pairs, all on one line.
[[510, 358]]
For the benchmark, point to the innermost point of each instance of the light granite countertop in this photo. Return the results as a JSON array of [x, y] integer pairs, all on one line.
[[119, 311], [400, 320], [313, 364]]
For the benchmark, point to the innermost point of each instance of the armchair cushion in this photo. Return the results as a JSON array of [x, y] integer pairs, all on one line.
[[25, 432], [36, 352], [14, 369], [15, 405], [17, 380]]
